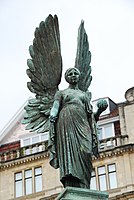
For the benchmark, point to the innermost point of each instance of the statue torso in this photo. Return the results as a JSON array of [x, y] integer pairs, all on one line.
[[72, 95]]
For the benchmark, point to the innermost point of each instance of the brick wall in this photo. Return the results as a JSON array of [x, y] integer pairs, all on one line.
[[10, 146]]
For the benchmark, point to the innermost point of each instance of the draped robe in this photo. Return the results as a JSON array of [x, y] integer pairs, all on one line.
[[70, 140]]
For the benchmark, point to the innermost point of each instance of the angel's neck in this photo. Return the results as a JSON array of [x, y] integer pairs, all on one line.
[[75, 87]]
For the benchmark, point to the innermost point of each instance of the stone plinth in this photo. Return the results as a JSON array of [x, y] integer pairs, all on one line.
[[72, 193]]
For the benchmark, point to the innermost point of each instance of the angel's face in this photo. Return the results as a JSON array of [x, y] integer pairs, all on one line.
[[72, 76]]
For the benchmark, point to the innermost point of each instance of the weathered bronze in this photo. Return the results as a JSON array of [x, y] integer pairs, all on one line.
[[66, 114]]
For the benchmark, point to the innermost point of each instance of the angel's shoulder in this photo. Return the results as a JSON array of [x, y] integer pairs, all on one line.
[[88, 95], [58, 95]]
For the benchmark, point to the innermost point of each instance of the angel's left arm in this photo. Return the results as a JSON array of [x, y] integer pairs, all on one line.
[[97, 114], [102, 106]]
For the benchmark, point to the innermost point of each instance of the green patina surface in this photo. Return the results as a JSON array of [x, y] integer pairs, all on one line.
[[72, 193], [67, 114]]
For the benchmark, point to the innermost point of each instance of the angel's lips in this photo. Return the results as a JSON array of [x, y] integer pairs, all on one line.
[[74, 79]]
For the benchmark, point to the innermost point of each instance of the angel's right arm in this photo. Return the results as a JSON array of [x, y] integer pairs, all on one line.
[[54, 111], [56, 106]]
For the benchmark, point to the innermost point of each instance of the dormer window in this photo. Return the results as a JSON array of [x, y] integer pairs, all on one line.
[[26, 142], [33, 139], [106, 131]]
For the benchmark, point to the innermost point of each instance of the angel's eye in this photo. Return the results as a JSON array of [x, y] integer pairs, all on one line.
[[70, 74]]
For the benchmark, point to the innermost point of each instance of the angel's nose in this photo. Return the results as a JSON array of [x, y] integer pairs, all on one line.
[[73, 74]]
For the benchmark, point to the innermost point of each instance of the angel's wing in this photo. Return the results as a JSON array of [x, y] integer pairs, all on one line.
[[45, 69], [83, 58]]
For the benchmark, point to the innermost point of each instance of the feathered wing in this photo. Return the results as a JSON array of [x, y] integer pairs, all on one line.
[[83, 58], [82, 62], [44, 70]]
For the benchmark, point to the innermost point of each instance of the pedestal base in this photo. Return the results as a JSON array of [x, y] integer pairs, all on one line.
[[72, 193]]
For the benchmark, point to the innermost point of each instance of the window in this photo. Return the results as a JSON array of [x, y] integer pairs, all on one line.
[[18, 184], [93, 181], [38, 179], [104, 177], [106, 134], [33, 139], [100, 133], [26, 142], [44, 137], [106, 131], [28, 181], [112, 176]]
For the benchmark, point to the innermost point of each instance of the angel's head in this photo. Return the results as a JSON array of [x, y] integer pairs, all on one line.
[[72, 75]]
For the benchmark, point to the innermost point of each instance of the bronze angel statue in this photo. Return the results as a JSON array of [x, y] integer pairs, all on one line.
[[67, 114]]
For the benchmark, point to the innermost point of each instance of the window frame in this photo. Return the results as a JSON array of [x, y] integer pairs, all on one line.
[[37, 175], [107, 177], [31, 138], [25, 181], [111, 172], [93, 175], [15, 181], [104, 174], [24, 178], [103, 132]]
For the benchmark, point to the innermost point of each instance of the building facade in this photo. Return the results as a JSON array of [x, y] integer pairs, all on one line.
[[25, 172]]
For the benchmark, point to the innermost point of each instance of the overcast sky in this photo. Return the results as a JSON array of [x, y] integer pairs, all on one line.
[[110, 28]]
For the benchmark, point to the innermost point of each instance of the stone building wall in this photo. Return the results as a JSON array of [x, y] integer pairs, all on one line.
[[50, 177], [122, 155], [124, 161]]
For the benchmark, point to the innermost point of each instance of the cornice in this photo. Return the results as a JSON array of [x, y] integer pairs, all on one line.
[[117, 151], [24, 160], [107, 120], [123, 196]]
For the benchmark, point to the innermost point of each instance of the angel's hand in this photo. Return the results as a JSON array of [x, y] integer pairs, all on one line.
[[102, 105], [52, 119], [54, 111]]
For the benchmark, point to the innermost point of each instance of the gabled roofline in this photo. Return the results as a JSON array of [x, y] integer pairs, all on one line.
[[11, 124]]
